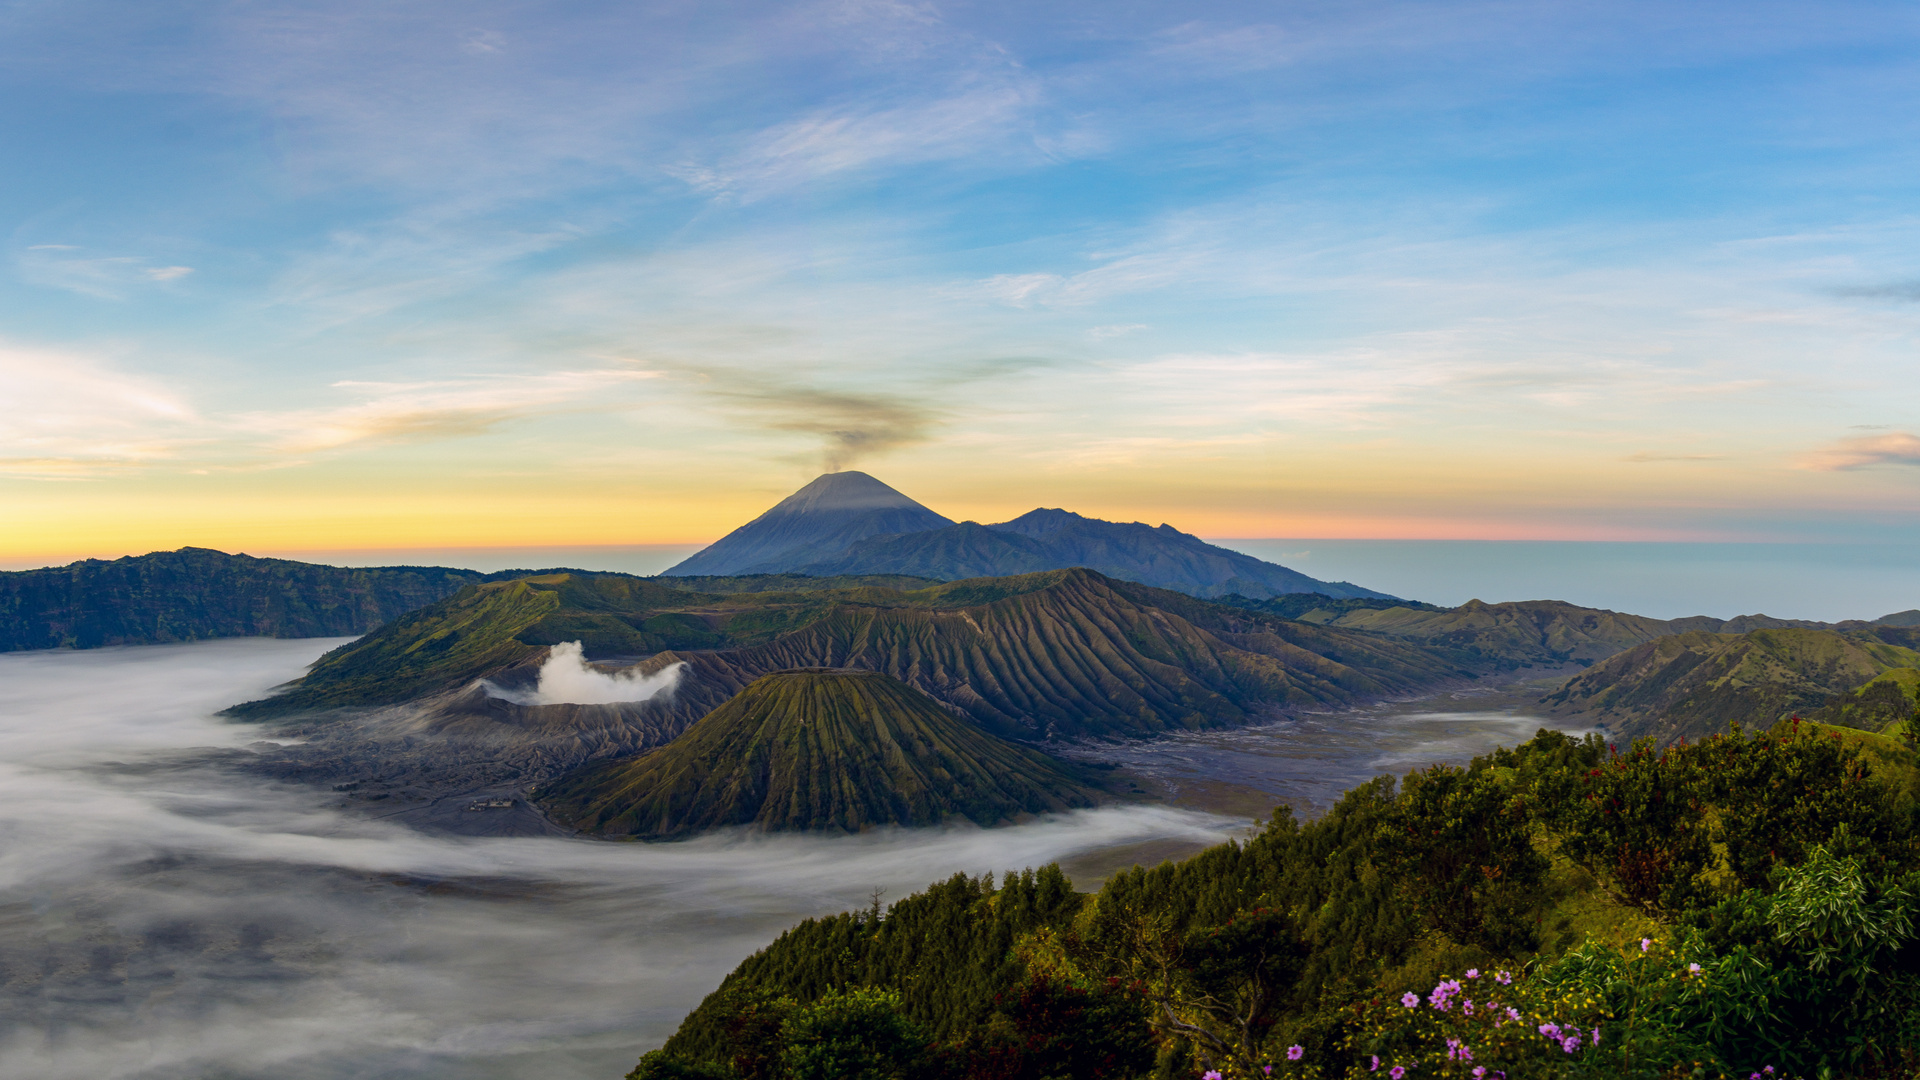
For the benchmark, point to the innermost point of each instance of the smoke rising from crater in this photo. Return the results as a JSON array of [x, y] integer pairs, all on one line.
[[567, 679]]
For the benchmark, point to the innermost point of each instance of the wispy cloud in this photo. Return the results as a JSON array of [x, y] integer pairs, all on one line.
[[69, 416], [75, 416], [969, 122], [1865, 451], [426, 257], [459, 408], [106, 277], [1173, 264]]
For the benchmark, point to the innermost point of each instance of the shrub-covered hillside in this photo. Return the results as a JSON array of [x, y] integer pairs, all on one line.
[[1560, 909]]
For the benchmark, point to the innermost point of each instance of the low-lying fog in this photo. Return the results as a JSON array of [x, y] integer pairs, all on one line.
[[164, 914], [1308, 761]]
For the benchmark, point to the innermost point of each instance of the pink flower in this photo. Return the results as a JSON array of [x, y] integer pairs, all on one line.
[[1473, 973], [1646, 943], [1399, 1071], [1294, 1052], [1570, 1043], [1550, 1030], [1210, 1074], [1596, 1036], [1479, 1072], [1693, 969], [1409, 999], [1375, 1067], [1503, 978]]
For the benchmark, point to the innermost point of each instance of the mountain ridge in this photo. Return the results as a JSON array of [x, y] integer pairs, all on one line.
[[815, 522], [850, 523], [1065, 653], [193, 594], [1052, 539], [1692, 685], [817, 749]]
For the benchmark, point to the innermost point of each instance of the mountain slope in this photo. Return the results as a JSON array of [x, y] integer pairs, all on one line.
[[1530, 631], [1072, 654], [845, 750], [490, 627], [1067, 653], [197, 593], [957, 552], [1057, 539], [818, 521], [1692, 685], [1888, 703]]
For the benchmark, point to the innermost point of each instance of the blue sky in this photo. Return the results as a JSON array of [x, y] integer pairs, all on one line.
[[403, 274]]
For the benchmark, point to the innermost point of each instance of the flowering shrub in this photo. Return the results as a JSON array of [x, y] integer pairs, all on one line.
[[1813, 977], [1483, 1025]]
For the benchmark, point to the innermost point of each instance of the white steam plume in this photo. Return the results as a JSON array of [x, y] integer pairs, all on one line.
[[567, 679]]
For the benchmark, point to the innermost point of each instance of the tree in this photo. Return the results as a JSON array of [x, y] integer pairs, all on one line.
[[852, 1035]]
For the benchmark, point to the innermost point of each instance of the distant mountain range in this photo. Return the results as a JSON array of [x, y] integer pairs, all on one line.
[[823, 749], [417, 707], [1691, 685], [1054, 655], [1052, 626], [850, 523], [196, 593], [1060, 654], [1534, 631]]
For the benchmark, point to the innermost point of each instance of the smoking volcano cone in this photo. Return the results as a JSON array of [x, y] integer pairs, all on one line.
[[816, 522]]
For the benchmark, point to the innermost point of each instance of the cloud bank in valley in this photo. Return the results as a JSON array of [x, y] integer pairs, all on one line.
[[165, 917]]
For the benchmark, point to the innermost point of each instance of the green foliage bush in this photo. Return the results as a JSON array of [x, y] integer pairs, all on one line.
[[856, 1034], [1720, 907]]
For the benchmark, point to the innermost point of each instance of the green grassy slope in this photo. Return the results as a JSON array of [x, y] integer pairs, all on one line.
[[844, 750], [196, 593], [1692, 685], [1529, 632], [1887, 703]]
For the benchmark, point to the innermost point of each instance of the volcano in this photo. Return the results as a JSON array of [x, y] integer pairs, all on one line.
[[819, 749], [815, 523]]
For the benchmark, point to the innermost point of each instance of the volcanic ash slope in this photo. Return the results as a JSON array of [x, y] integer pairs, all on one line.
[[819, 749]]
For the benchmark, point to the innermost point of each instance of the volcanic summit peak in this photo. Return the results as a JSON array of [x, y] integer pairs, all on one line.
[[850, 490]]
